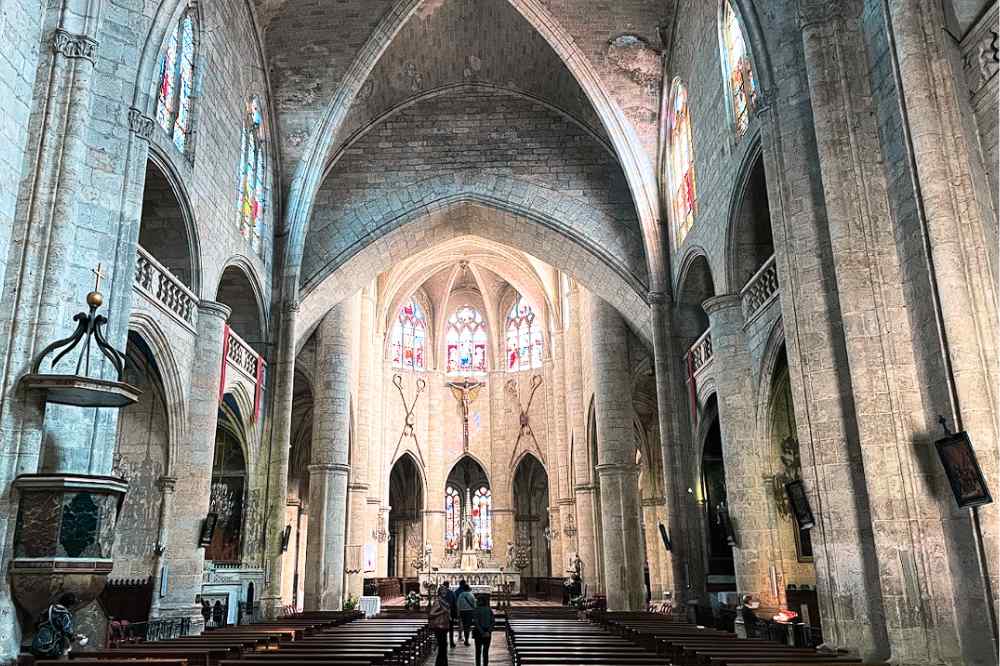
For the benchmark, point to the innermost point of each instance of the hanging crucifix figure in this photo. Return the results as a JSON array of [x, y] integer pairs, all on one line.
[[465, 392]]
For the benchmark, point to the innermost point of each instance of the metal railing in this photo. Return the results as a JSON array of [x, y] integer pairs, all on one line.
[[163, 288]]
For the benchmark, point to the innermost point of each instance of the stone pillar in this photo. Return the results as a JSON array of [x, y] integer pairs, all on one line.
[[193, 467], [581, 469], [670, 405], [558, 453], [745, 492], [283, 383], [329, 468], [359, 527], [437, 469], [616, 446], [167, 485]]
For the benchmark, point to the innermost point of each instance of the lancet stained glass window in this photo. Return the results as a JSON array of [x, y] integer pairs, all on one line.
[[739, 68], [683, 194], [252, 175], [524, 337], [482, 518], [408, 338], [173, 104], [466, 341], [452, 518]]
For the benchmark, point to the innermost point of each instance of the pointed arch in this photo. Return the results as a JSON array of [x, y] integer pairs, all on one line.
[[738, 68]]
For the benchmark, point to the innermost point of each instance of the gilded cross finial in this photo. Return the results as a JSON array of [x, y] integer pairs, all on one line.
[[98, 275]]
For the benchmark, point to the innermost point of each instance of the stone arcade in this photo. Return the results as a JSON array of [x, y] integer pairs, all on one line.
[[407, 290]]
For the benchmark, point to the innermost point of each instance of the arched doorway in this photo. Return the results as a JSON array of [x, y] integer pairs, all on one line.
[[721, 569], [406, 525], [468, 503], [531, 515]]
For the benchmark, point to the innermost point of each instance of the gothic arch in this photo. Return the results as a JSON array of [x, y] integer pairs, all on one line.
[[309, 172], [421, 474], [749, 232], [475, 460], [472, 215], [173, 385], [164, 164], [237, 280]]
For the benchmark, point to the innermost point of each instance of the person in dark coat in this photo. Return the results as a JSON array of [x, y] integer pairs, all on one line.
[[483, 620], [452, 600], [439, 619], [466, 607]]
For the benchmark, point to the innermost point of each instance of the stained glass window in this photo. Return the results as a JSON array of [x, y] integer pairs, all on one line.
[[524, 337], [409, 334], [482, 518], [252, 175], [452, 518], [466, 341], [173, 104], [683, 194], [739, 68]]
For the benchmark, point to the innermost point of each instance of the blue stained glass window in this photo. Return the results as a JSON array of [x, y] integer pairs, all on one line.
[[176, 83]]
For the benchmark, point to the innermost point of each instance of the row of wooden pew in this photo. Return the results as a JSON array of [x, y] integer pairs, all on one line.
[[317, 638], [555, 637], [686, 644]]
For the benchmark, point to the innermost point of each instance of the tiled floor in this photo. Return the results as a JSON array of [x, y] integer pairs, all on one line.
[[464, 656]]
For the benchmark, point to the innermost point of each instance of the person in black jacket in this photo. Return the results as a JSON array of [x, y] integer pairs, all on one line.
[[452, 600], [483, 620]]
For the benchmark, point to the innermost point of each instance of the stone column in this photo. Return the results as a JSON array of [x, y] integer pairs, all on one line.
[[745, 491], [358, 523], [581, 468], [329, 468], [670, 405], [437, 470], [558, 452], [283, 383], [193, 467], [167, 485], [616, 446]]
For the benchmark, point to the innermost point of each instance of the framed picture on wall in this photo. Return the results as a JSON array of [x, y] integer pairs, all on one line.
[[800, 504], [962, 469]]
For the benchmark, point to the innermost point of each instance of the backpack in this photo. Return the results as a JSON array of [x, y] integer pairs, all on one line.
[[438, 616]]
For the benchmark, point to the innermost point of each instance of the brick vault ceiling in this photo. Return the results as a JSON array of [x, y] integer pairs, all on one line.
[[444, 43]]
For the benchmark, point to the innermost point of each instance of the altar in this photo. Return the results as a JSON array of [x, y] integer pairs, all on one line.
[[482, 576]]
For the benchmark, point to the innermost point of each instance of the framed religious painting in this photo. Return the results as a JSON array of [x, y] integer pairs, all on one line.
[[800, 504], [962, 469]]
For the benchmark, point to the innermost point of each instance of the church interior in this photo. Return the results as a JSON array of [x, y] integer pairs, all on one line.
[[652, 321]]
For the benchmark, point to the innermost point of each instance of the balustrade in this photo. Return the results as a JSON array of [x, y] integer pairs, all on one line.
[[700, 353], [163, 288], [760, 289], [242, 356]]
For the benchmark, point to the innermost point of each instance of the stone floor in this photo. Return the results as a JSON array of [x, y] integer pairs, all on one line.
[[464, 656]]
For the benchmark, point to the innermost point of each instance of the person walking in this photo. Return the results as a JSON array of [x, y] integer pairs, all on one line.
[[452, 599], [466, 606], [439, 619], [483, 620]]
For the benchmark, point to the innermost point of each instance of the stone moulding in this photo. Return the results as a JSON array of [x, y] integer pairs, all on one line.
[[981, 51], [74, 46]]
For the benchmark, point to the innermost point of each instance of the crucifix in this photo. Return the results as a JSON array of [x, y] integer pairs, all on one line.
[[98, 276], [465, 392]]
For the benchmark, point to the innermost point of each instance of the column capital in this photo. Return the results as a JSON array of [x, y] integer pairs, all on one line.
[[654, 501], [813, 13], [658, 298], [329, 467], [373, 500], [357, 487], [716, 304], [214, 309], [166, 484], [566, 501], [585, 488], [608, 469], [140, 124], [74, 46], [293, 501]]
